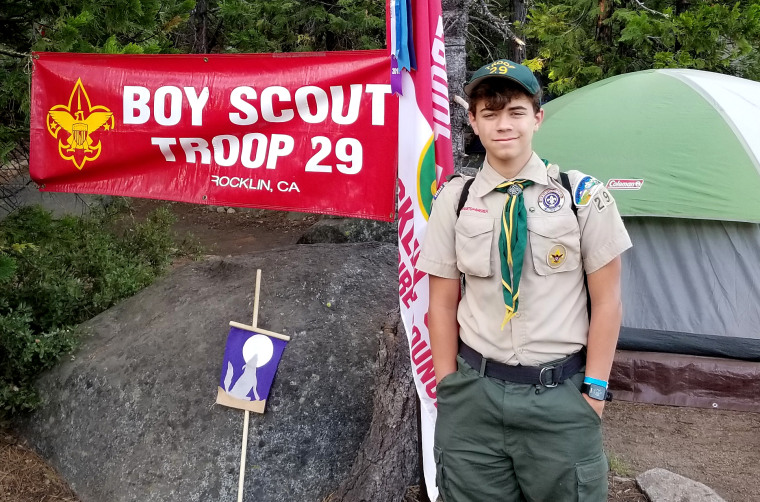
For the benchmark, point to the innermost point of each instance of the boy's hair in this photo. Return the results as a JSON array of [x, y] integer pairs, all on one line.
[[498, 92]]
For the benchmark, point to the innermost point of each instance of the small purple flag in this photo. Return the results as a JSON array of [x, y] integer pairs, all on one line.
[[250, 363]]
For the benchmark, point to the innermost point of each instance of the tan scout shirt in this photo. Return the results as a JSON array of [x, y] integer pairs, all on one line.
[[551, 321]]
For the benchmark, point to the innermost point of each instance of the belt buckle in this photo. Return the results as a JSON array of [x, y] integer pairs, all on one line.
[[549, 385]]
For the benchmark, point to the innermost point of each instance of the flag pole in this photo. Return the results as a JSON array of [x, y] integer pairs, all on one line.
[[247, 416], [241, 480]]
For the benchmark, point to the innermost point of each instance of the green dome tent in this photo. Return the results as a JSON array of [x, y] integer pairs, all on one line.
[[680, 152], [691, 137]]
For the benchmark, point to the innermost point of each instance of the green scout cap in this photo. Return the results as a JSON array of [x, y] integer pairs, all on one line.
[[504, 68]]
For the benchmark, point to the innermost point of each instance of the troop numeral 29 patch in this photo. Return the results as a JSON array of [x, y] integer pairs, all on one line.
[[601, 199]]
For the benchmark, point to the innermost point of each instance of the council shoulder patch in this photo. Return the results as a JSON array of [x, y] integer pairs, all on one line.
[[584, 189]]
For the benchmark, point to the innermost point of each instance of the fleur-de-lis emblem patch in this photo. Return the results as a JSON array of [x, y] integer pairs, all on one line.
[[73, 125]]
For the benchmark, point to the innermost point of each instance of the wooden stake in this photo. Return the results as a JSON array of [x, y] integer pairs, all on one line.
[[241, 480], [259, 330], [256, 298]]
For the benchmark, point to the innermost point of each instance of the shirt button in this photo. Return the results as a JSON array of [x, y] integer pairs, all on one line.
[[517, 315], [520, 351]]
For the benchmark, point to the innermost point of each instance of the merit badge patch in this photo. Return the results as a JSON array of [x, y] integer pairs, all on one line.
[[551, 200], [556, 256], [584, 190]]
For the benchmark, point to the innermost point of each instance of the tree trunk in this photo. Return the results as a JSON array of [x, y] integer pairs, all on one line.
[[200, 20], [681, 7], [604, 30], [387, 463], [455, 20], [519, 13]]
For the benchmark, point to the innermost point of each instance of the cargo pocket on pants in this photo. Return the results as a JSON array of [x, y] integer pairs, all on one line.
[[440, 474], [592, 479]]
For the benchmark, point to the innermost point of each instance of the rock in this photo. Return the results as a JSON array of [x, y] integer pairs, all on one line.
[[230, 210], [132, 417], [661, 485], [341, 230], [220, 209]]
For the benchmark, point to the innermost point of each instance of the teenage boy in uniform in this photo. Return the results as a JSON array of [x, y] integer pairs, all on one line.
[[521, 371]]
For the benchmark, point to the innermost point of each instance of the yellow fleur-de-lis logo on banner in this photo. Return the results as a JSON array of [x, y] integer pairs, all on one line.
[[73, 124]]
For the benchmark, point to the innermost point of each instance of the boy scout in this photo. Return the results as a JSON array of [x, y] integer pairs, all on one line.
[[522, 371]]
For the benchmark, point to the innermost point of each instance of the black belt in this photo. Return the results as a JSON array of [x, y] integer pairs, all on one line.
[[549, 375]]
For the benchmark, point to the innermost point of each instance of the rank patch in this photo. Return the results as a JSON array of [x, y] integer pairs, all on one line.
[[551, 200], [584, 190], [556, 256]]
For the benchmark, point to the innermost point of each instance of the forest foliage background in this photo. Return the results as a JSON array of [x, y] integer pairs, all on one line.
[[569, 43]]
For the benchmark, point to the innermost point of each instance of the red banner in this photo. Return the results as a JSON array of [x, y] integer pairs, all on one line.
[[313, 132]]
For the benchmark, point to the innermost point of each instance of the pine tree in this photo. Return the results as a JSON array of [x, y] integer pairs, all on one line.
[[301, 25]]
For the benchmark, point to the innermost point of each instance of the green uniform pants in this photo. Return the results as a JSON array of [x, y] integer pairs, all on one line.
[[502, 441]]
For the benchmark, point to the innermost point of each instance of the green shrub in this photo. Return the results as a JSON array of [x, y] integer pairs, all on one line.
[[57, 273]]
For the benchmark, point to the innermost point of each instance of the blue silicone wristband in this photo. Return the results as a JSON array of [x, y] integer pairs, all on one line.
[[596, 382]]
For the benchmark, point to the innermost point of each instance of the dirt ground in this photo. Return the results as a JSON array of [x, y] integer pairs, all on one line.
[[718, 448]]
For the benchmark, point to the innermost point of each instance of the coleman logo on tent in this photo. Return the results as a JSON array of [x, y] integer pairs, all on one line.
[[624, 184], [79, 119]]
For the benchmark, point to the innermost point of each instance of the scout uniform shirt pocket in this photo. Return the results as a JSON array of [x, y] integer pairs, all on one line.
[[474, 240], [555, 244]]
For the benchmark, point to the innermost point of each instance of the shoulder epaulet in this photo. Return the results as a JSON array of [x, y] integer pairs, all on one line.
[[445, 182], [463, 196], [567, 186], [465, 189]]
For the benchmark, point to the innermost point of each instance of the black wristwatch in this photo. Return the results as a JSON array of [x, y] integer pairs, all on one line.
[[597, 392]]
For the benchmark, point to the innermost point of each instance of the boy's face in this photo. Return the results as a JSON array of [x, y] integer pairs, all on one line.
[[507, 134]]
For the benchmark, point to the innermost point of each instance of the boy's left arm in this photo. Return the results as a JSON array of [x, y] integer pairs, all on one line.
[[604, 328], [603, 240]]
